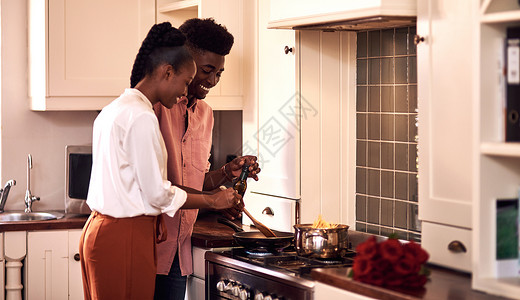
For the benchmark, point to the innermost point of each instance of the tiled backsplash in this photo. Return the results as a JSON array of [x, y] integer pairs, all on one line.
[[386, 169]]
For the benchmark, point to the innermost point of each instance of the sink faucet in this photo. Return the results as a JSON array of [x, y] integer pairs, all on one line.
[[5, 192], [29, 198]]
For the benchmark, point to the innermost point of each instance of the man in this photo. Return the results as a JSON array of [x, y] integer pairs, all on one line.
[[187, 132]]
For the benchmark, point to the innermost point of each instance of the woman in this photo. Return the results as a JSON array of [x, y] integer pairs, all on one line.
[[128, 187]]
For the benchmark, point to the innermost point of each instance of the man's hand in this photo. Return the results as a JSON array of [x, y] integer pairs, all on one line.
[[235, 166]]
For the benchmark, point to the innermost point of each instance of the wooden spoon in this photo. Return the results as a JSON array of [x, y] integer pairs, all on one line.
[[261, 227]]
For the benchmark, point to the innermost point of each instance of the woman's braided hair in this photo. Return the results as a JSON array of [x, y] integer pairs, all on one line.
[[163, 44]]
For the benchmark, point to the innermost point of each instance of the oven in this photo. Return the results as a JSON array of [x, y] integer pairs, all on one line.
[[261, 275]]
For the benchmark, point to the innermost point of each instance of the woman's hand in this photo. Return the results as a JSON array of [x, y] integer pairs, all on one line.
[[235, 166], [225, 198]]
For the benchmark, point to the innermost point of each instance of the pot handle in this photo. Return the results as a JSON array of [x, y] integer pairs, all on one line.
[[321, 234], [227, 222]]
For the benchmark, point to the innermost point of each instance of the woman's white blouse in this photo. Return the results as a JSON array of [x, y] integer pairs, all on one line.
[[129, 161]]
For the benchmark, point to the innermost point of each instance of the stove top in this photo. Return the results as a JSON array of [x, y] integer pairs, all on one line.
[[288, 261]]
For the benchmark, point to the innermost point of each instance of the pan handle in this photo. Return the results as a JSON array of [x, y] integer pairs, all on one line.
[[227, 222]]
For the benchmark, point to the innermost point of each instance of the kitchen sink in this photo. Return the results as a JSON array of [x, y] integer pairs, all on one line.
[[32, 216]]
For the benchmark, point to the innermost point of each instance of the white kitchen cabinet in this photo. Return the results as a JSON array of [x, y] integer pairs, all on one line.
[[293, 13], [228, 94], [272, 121], [81, 52], [48, 258], [75, 280], [445, 102], [268, 210], [277, 134], [497, 163], [47, 265]]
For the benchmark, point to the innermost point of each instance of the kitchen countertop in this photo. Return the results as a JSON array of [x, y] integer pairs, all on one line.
[[208, 233], [443, 284], [69, 221]]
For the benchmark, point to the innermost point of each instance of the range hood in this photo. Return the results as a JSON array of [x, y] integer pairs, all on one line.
[[334, 15]]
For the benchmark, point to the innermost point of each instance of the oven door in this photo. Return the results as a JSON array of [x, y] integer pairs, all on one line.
[[228, 278]]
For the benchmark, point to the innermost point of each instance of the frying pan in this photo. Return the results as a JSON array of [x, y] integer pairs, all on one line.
[[255, 239]]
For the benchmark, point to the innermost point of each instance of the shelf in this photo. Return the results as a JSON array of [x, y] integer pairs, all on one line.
[[501, 17], [179, 5]]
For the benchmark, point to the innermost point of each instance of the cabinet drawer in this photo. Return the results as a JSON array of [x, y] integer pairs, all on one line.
[[437, 238], [276, 213]]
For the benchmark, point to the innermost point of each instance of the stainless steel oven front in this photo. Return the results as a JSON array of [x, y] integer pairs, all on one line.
[[231, 278]]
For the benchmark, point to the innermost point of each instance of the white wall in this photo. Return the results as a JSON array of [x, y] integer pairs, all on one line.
[[42, 134]]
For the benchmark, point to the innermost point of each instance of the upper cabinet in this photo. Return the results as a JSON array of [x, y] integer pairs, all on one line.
[[342, 14], [81, 52], [446, 140], [278, 133], [229, 92]]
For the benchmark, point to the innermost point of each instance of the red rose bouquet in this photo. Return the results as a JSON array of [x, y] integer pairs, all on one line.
[[390, 263]]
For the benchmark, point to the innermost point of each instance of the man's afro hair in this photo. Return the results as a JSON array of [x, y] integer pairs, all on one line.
[[205, 34]]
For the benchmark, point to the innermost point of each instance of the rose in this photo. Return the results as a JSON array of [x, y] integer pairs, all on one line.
[[391, 250], [414, 250], [374, 278], [367, 249], [362, 266], [394, 279], [390, 263], [406, 266], [382, 265]]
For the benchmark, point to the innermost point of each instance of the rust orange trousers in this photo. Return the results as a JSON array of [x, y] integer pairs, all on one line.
[[118, 258]]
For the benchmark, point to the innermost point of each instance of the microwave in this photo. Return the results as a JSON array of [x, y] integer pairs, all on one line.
[[78, 166]]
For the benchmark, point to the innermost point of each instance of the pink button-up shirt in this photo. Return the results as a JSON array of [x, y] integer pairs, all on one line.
[[188, 154]]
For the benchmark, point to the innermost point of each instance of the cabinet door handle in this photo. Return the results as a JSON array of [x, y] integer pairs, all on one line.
[[418, 39], [76, 257], [457, 247], [287, 49], [268, 211]]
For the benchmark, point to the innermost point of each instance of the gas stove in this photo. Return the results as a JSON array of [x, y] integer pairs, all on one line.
[[262, 275]]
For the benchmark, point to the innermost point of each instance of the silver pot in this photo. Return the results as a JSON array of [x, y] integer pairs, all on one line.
[[321, 243]]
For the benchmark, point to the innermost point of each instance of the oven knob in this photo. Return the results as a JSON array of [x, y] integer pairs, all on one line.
[[221, 285], [259, 296], [244, 294], [236, 291], [229, 286]]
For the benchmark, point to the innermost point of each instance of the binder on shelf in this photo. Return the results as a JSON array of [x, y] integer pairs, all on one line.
[[507, 241], [513, 85]]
